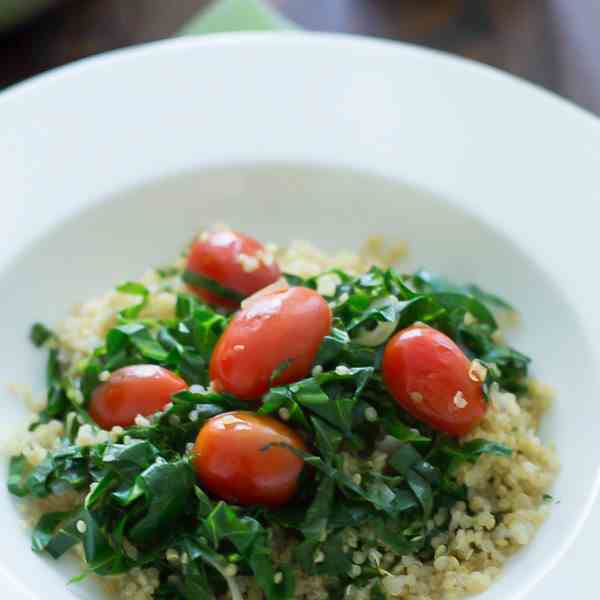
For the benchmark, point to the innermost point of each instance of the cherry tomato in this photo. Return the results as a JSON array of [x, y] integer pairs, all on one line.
[[278, 330], [231, 461], [235, 261], [131, 391], [428, 375]]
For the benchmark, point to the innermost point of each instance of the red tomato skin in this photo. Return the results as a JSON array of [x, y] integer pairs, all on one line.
[[230, 460], [424, 369], [272, 328], [131, 391], [217, 256]]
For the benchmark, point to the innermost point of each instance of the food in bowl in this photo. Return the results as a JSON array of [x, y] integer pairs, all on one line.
[[254, 423]]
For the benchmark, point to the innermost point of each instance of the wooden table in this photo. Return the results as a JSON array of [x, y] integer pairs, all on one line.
[[554, 43]]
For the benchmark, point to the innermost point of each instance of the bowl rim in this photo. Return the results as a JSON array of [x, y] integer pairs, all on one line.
[[189, 40]]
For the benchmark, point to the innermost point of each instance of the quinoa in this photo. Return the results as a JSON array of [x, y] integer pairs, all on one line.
[[506, 494]]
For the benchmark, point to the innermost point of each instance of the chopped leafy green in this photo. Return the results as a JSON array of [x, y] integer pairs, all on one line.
[[334, 559], [314, 525], [327, 438], [280, 369], [419, 475], [40, 334], [168, 271], [56, 533], [376, 592], [436, 283], [471, 451], [16, 472], [403, 433], [45, 529], [329, 395], [251, 540], [332, 346], [58, 402], [167, 488], [136, 289], [211, 286]]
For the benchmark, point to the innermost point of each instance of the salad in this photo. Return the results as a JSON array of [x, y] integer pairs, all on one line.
[[254, 423]]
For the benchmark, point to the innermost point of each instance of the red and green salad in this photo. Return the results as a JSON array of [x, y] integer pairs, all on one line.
[[272, 437]]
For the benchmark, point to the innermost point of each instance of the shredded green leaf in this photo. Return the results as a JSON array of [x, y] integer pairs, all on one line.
[[135, 289], [40, 334], [212, 286]]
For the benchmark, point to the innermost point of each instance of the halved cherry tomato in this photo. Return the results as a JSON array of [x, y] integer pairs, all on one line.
[[278, 330], [132, 391], [234, 261], [232, 462], [428, 375]]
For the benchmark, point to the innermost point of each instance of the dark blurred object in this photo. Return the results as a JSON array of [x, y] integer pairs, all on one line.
[[15, 12], [554, 43]]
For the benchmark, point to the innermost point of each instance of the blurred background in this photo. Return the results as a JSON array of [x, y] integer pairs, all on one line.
[[554, 43]]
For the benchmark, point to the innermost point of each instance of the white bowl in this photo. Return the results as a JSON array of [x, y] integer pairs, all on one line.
[[110, 164]]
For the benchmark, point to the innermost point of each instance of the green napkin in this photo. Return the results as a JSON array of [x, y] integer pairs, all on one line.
[[237, 15]]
